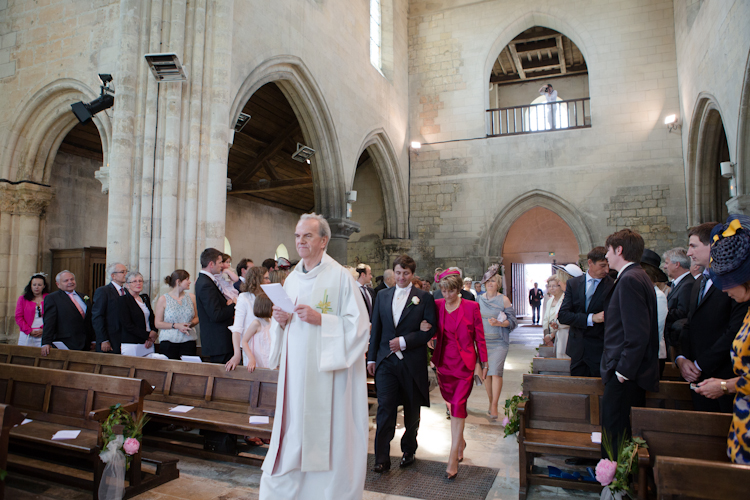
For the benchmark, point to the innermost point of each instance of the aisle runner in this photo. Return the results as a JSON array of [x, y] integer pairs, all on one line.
[[426, 479]]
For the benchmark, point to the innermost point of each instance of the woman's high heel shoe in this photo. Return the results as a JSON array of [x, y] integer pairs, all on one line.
[[451, 477]]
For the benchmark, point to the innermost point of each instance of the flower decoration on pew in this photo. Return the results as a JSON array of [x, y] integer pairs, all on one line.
[[511, 421], [615, 472], [130, 435]]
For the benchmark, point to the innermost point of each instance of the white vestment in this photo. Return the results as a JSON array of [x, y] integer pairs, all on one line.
[[318, 447]]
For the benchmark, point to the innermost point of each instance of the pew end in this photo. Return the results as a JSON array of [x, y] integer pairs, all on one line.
[[695, 478]]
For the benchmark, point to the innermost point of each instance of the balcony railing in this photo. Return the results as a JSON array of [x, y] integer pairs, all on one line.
[[542, 117]]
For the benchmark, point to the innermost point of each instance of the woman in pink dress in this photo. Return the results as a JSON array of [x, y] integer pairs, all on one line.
[[460, 335]]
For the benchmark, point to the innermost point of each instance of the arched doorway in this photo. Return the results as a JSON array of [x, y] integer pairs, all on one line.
[[536, 240], [708, 192]]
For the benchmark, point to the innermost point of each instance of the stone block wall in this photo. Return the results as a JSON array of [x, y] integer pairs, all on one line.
[[641, 208]]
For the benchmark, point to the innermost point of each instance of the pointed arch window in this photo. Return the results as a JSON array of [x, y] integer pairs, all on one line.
[[376, 34]]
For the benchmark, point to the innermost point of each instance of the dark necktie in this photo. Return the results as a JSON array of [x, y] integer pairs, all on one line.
[[703, 289], [590, 292], [366, 296]]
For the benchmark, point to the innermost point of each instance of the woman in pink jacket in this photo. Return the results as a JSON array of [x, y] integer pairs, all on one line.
[[30, 311]]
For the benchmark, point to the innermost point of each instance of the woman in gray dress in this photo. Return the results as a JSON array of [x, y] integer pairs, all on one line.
[[499, 320]]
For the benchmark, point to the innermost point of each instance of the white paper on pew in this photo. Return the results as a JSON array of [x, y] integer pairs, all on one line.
[[25, 421], [259, 420], [596, 437], [191, 359], [181, 409], [60, 435], [278, 296], [137, 350], [60, 346]]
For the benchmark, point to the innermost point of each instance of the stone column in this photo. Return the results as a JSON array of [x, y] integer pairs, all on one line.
[[392, 248], [740, 204], [341, 229], [21, 207]]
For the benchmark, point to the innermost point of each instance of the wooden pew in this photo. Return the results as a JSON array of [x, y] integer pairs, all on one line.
[[551, 366], [674, 433], [55, 400], [671, 372], [546, 351], [9, 417], [560, 416], [705, 479], [222, 401]]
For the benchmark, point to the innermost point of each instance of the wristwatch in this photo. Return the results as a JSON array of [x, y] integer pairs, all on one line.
[[724, 387]]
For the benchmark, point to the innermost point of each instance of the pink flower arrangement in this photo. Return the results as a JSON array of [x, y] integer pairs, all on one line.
[[131, 446], [605, 471], [506, 420], [520, 394]]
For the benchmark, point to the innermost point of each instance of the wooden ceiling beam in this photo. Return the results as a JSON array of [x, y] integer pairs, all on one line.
[[561, 55], [543, 44], [268, 152], [512, 79], [277, 185], [516, 60], [269, 168]]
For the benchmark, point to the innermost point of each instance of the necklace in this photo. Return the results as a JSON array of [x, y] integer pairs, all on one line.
[[458, 303]]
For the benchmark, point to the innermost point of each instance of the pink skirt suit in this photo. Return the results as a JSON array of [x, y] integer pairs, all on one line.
[[455, 355]]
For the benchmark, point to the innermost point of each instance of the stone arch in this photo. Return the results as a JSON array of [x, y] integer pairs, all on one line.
[[706, 127], [528, 20], [535, 198], [742, 170], [306, 98], [395, 201], [42, 123]]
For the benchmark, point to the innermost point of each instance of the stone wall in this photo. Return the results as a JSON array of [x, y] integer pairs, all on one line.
[[369, 211], [461, 181]]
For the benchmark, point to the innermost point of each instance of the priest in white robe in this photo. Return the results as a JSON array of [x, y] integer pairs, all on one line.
[[318, 447]]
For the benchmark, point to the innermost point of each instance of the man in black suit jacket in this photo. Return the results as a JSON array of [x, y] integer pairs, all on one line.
[[105, 312], [398, 360], [242, 268], [582, 309], [388, 281], [215, 313], [677, 265], [630, 364], [363, 281], [712, 323], [67, 321], [536, 296]]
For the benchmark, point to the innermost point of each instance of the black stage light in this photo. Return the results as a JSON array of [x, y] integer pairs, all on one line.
[[84, 112]]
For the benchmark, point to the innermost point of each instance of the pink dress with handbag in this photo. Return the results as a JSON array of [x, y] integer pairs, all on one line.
[[455, 353]]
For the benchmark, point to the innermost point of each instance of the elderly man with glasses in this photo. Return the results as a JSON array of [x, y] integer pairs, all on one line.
[[105, 314]]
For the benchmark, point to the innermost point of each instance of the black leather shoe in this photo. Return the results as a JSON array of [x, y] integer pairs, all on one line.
[[380, 468], [407, 460]]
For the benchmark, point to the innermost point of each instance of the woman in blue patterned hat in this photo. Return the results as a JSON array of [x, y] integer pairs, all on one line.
[[730, 271]]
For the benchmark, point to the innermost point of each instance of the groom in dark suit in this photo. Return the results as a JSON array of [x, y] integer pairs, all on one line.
[[215, 312], [630, 364], [582, 309], [398, 360], [67, 316]]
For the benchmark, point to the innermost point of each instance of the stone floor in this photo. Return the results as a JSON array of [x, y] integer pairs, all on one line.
[[486, 446]]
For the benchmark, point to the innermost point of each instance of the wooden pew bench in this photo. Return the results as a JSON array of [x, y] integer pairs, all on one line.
[[703, 479], [546, 351], [560, 416], [9, 418], [551, 366], [674, 433], [56, 400], [223, 401], [671, 372]]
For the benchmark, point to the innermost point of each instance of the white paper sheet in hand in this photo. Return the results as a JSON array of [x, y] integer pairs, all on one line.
[[259, 420], [279, 297], [191, 359], [137, 350], [596, 437], [60, 346], [502, 316], [60, 435], [181, 409]]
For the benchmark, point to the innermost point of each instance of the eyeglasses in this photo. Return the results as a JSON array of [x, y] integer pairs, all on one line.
[[119, 272], [135, 281]]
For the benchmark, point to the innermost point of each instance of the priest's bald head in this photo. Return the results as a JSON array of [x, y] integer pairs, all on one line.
[[311, 238]]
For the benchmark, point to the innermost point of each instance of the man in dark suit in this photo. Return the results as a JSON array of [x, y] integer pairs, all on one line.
[[677, 265], [712, 323], [582, 309], [242, 267], [398, 360], [105, 312], [216, 313], [630, 364], [363, 281], [67, 316], [535, 299], [388, 281]]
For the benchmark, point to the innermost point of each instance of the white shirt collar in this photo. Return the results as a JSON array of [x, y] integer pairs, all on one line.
[[213, 278], [117, 287], [624, 267], [401, 291], [591, 278], [677, 280]]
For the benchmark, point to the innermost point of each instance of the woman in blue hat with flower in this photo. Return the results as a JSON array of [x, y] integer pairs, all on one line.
[[730, 271]]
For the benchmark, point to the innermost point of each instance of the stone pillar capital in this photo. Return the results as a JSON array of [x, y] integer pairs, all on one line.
[[342, 228], [740, 204], [25, 198]]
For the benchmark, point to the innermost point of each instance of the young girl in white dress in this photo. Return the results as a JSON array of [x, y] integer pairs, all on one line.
[[256, 340]]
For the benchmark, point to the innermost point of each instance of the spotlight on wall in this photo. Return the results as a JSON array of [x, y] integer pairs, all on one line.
[[672, 123], [303, 153], [106, 99], [351, 196], [727, 169], [241, 122], [416, 145], [166, 67]]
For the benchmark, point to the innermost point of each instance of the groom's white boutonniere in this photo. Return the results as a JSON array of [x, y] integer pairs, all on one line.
[[86, 298], [414, 301]]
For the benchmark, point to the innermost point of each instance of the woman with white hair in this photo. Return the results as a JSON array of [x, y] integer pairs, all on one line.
[[554, 330]]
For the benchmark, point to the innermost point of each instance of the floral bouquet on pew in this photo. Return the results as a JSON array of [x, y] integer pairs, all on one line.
[[614, 473], [118, 450], [510, 421]]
